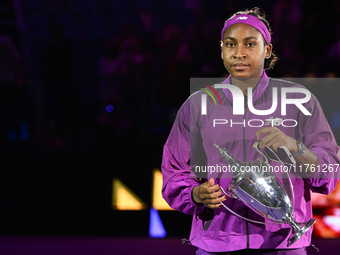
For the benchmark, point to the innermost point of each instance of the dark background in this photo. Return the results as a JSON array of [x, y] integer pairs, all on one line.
[[62, 62]]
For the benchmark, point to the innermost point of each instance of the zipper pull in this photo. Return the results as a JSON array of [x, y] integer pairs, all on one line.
[[186, 241], [317, 249]]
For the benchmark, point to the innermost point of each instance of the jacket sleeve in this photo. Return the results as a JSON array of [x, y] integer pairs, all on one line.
[[318, 137], [178, 181]]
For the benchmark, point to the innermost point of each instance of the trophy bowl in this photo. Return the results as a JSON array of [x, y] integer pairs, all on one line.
[[258, 188]]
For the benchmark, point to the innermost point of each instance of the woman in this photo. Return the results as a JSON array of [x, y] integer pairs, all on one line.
[[246, 53]]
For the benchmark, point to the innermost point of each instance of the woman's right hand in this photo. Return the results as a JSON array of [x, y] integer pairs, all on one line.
[[208, 194]]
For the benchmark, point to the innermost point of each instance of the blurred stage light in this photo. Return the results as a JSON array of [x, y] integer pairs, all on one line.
[[158, 201], [12, 135], [333, 222], [109, 108], [156, 228], [24, 131], [124, 199]]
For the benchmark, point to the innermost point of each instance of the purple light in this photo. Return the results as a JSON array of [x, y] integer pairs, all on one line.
[[109, 108]]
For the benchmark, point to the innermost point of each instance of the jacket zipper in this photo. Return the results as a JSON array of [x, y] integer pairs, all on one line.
[[245, 160]]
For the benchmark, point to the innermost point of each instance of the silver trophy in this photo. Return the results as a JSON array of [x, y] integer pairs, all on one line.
[[255, 185]]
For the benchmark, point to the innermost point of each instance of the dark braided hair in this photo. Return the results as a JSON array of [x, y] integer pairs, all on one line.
[[258, 13]]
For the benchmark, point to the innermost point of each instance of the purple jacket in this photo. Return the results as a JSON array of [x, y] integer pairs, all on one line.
[[191, 143]]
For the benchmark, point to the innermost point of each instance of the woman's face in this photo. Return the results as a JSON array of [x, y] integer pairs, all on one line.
[[243, 51]]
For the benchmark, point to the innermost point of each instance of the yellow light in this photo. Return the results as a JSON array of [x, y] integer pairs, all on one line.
[[124, 199], [158, 201]]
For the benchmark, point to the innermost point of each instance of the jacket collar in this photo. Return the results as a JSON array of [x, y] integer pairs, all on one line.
[[259, 89]]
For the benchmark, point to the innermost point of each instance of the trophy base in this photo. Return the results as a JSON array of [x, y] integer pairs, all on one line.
[[301, 232]]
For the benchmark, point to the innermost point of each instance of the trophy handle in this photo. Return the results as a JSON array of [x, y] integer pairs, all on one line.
[[265, 157], [278, 158]]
